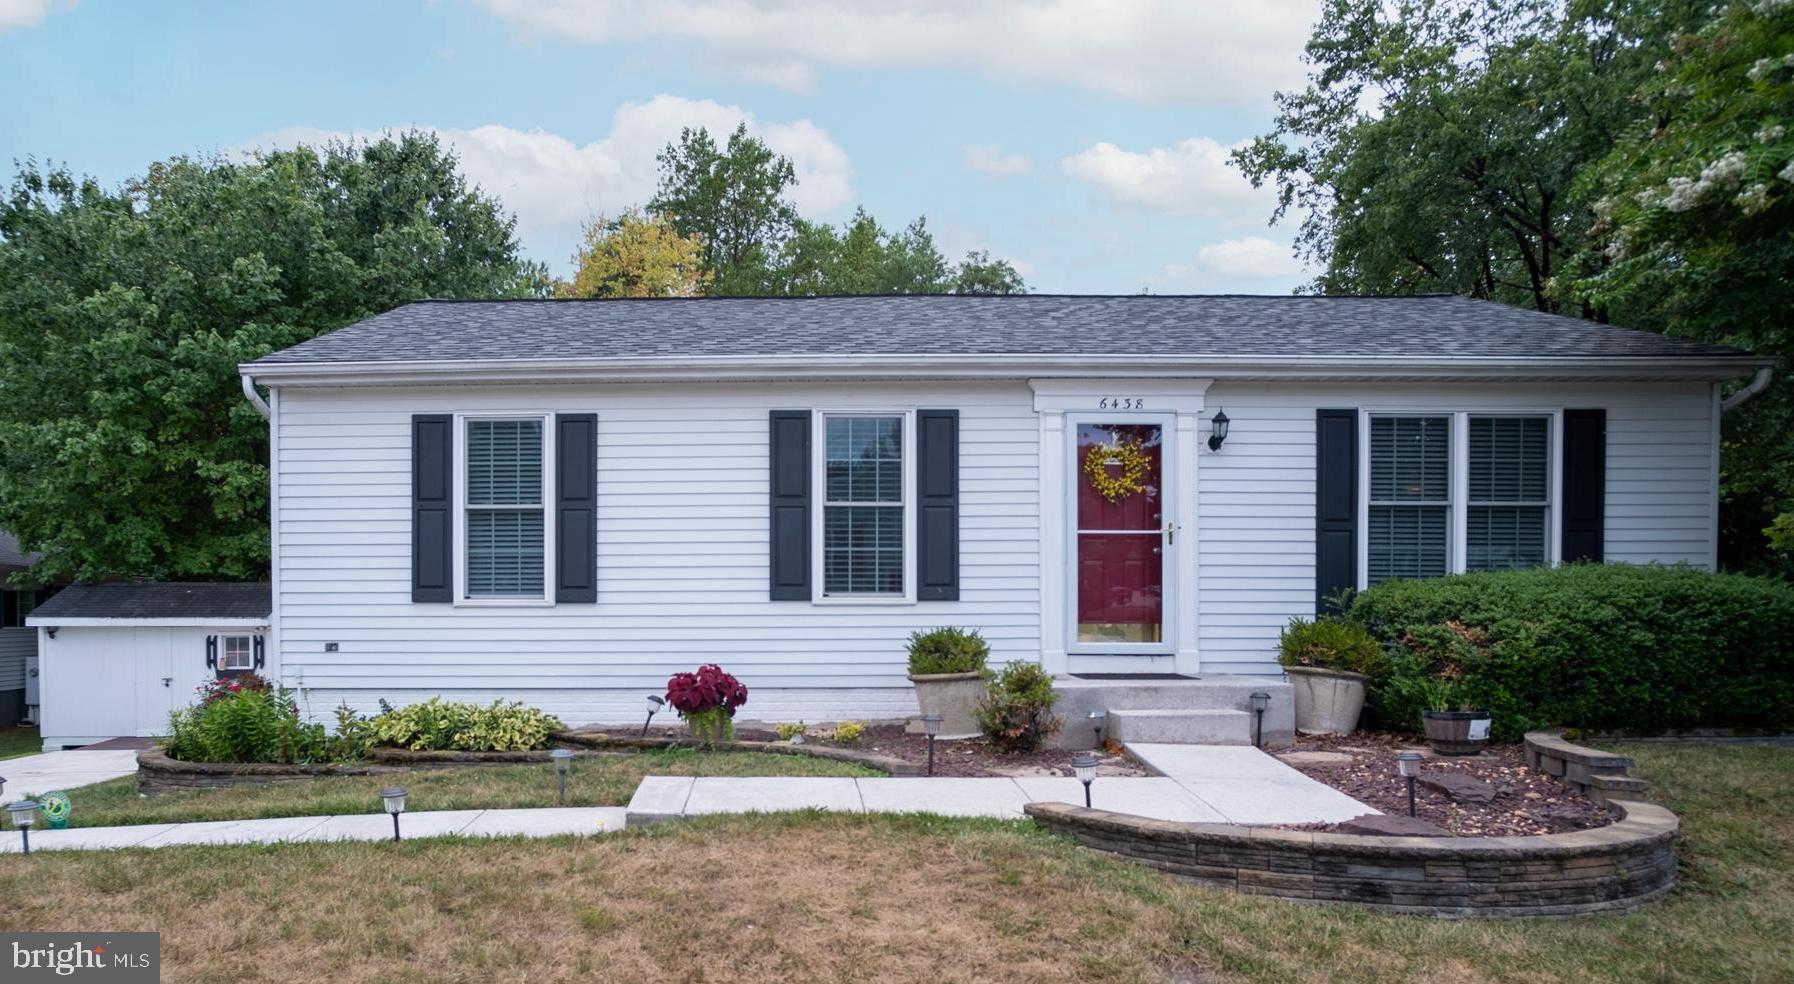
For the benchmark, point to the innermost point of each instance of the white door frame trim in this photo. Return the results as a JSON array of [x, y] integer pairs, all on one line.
[[1054, 400]]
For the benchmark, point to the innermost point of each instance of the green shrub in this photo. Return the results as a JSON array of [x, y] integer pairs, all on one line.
[[947, 650], [849, 732], [788, 730], [1331, 644], [232, 724], [1589, 646], [1016, 713], [443, 726]]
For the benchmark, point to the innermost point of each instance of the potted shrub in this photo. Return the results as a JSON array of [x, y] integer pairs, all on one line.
[[707, 701], [947, 667], [1463, 731], [1328, 661]]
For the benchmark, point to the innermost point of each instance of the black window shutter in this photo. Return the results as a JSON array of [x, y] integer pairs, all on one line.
[[1336, 505], [211, 652], [1585, 485], [9, 609], [432, 502], [789, 461], [261, 653], [576, 507], [937, 483]]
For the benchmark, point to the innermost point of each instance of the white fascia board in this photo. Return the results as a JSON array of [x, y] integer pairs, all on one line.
[[1018, 366], [52, 622]]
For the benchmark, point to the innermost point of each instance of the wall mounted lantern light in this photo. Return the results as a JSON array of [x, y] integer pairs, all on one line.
[[1217, 431]]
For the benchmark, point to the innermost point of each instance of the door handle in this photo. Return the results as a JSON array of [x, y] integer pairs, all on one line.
[[1171, 533], [167, 681]]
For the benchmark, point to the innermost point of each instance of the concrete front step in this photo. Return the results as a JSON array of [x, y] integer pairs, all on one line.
[[1208, 693], [1184, 727]]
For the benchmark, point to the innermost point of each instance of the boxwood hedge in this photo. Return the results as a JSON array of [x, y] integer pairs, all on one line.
[[1591, 646]]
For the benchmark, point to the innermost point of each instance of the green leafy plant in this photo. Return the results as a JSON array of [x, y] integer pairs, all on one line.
[[788, 730], [947, 650], [1331, 644], [439, 725], [849, 732], [1599, 646], [243, 724], [1016, 712]]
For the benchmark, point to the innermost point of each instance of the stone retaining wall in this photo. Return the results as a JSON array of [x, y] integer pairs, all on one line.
[[888, 764], [157, 773], [1601, 776], [1608, 869]]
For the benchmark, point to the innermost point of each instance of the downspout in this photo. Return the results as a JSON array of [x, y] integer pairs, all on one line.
[[1757, 385], [261, 405]]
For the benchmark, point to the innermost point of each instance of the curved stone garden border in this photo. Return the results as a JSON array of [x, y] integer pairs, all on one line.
[[872, 760], [1600, 776], [1608, 869], [157, 773]]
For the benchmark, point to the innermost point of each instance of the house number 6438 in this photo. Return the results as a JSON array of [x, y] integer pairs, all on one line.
[[1121, 403]]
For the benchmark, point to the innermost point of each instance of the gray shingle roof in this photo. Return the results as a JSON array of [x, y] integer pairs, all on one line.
[[11, 557], [166, 599], [1433, 326]]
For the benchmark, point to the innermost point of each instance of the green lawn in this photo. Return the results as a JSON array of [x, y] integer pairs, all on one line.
[[875, 898], [15, 742], [604, 781]]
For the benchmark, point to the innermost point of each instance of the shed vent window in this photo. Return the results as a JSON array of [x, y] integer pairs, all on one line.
[[237, 654], [863, 505], [505, 542], [1410, 497], [1510, 492]]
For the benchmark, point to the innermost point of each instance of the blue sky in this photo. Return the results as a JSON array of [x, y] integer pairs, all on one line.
[[1084, 141]]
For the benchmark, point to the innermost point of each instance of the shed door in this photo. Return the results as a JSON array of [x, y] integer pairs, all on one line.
[[157, 694]]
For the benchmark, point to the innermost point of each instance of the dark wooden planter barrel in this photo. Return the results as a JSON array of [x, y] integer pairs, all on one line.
[[1448, 732]]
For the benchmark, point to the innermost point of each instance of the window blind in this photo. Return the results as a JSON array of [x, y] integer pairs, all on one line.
[[862, 523], [1510, 464], [1409, 512], [505, 554]]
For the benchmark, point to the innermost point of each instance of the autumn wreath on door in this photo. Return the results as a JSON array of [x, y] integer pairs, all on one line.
[[1118, 469]]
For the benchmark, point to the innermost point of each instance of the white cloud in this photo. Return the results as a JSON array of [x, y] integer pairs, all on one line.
[[1191, 178], [990, 159], [17, 14], [553, 184], [1248, 258], [1152, 50]]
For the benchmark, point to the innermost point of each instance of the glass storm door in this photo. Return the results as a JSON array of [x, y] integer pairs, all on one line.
[[1122, 534]]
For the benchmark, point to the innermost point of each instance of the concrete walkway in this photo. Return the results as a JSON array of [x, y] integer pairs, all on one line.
[[548, 822], [33, 775], [1196, 783]]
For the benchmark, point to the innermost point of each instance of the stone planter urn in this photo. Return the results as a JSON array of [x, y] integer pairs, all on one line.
[[1328, 702], [954, 696], [1456, 732]]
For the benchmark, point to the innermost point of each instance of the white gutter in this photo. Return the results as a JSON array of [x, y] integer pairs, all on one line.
[[261, 405], [1015, 366], [1757, 385]]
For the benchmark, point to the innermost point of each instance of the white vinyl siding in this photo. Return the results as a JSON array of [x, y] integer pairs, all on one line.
[[1255, 558], [682, 553]]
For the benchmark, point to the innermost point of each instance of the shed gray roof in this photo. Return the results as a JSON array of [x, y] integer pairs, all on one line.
[[1427, 326], [194, 600]]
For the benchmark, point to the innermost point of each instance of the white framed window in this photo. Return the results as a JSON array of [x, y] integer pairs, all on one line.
[[1451, 491], [864, 522], [236, 653], [504, 531]]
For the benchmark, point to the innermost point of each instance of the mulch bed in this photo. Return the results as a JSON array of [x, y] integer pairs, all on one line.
[[971, 757], [1525, 803]]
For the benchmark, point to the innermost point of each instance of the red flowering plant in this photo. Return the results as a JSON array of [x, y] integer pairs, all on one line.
[[707, 701]]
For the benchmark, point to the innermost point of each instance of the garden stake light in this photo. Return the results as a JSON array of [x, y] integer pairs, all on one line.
[[931, 726], [1408, 765], [1084, 767], [1097, 718], [563, 758], [24, 813], [393, 797], [1260, 701], [655, 703]]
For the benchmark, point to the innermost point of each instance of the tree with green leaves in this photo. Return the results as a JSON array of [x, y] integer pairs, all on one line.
[[732, 199], [636, 255], [126, 446], [1437, 144], [862, 258], [980, 273], [1694, 235]]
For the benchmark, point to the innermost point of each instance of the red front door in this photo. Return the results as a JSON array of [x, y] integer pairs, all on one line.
[[1121, 533]]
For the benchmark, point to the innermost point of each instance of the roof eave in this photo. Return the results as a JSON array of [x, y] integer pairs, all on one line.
[[1018, 366]]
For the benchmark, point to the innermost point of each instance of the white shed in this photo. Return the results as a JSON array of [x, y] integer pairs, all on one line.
[[115, 659]]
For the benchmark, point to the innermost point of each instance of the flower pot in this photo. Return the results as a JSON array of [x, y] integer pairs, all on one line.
[[1328, 702], [1456, 732], [954, 696]]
